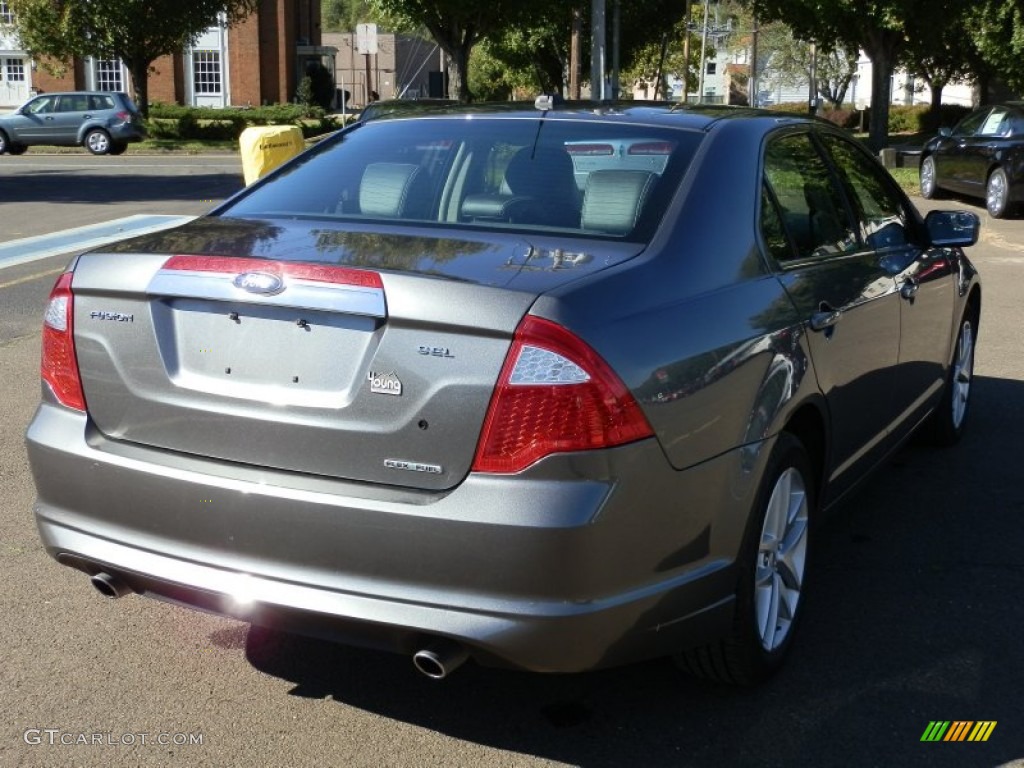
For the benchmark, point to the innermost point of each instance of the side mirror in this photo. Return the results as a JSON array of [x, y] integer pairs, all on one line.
[[952, 229], [945, 132]]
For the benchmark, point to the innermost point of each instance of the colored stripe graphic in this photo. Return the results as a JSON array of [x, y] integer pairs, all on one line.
[[982, 730], [958, 730], [935, 731]]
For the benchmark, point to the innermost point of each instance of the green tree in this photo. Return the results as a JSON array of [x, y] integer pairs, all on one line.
[[136, 31], [943, 53], [997, 28], [880, 27], [344, 15], [457, 26]]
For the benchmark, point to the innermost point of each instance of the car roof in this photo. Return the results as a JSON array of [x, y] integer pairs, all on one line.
[[691, 116]]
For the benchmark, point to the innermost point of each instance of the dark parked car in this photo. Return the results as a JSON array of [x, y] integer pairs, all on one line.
[[104, 122], [415, 390], [983, 156]]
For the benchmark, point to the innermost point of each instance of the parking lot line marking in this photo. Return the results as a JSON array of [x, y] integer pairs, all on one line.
[[30, 278], [28, 249]]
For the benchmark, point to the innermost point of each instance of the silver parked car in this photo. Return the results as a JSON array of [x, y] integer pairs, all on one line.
[[426, 388], [104, 122]]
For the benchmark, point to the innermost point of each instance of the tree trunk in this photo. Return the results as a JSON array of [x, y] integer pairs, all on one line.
[[139, 71], [881, 48], [935, 111], [458, 74]]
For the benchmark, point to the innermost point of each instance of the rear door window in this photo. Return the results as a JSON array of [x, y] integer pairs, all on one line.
[[880, 208], [810, 203]]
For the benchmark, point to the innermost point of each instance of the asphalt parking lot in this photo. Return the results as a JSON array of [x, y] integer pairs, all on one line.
[[913, 612]]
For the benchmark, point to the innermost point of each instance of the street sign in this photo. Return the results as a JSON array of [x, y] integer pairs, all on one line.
[[366, 38]]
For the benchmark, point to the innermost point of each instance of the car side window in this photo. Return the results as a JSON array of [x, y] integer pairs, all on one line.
[[881, 210], [41, 106], [772, 229], [970, 124], [73, 104], [101, 102], [811, 205], [996, 123]]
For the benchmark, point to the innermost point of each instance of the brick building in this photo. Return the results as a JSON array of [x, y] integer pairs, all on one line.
[[260, 60]]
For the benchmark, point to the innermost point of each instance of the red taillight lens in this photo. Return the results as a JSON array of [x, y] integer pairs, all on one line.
[[590, 149], [555, 394], [125, 117], [652, 148], [60, 364]]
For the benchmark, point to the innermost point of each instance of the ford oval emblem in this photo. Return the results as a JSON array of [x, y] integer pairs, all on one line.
[[264, 283]]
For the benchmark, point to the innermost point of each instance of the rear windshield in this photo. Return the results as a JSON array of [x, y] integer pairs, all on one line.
[[591, 178]]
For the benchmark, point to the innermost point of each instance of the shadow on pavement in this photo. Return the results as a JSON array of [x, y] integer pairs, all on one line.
[[913, 614], [49, 186]]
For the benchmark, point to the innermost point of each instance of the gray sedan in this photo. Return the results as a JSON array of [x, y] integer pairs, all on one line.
[[438, 386]]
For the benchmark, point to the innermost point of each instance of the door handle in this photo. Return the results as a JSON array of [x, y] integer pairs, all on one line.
[[826, 317], [86, 117], [909, 289]]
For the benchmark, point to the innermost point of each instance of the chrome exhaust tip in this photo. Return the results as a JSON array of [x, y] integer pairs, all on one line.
[[440, 659], [109, 586]]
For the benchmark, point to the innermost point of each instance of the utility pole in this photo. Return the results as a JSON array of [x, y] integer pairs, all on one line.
[[598, 50], [812, 96], [616, 28], [703, 54], [686, 51], [574, 54], [753, 90]]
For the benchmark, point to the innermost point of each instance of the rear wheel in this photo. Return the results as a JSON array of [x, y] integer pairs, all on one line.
[[118, 149], [929, 187], [16, 149], [949, 420], [4, 144], [97, 141], [997, 194], [771, 569]]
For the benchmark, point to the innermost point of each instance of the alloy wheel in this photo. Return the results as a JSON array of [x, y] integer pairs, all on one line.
[[781, 559], [963, 370], [995, 194]]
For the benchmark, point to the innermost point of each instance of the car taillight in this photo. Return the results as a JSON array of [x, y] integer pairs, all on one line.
[[60, 364], [554, 394], [590, 149], [652, 148], [125, 117]]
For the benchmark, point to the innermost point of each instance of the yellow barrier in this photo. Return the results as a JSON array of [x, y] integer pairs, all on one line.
[[264, 147]]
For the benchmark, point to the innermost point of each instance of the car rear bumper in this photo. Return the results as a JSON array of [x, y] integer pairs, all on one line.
[[546, 571]]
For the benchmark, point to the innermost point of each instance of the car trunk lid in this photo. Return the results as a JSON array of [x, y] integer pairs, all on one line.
[[355, 355]]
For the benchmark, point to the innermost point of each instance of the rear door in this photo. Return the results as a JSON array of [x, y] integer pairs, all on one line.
[[956, 162], [848, 297], [72, 112]]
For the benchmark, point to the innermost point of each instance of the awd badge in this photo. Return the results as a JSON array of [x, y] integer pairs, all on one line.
[[385, 383]]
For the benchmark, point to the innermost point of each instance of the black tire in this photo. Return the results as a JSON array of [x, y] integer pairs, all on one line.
[[16, 149], [97, 141], [929, 179], [118, 149], [950, 419], [997, 194], [4, 144], [754, 649]]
